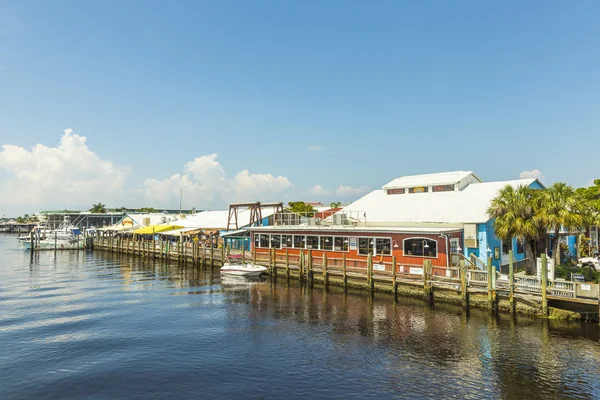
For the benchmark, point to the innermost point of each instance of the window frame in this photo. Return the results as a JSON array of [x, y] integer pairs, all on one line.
[[429, 240]]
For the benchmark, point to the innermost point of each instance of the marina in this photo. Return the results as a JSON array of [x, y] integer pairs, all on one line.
[[87, 324]]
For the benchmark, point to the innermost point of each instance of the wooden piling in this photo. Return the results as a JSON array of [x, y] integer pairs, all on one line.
[[394, 276], [427, 286], [287, 263], [463, 284], [325, 275], [310, 267], [344, 272], [544, 286], [243, 254], [370, 273], [511, 281], [490, 269], [274, 263]]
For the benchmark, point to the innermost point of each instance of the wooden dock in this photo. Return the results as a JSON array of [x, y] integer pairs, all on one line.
[[468, 288]]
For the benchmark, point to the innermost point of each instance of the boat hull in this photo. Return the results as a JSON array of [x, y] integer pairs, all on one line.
[[243, 269], [51, 245]]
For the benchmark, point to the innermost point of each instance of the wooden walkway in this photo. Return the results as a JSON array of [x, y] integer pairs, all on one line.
[[455, 285]]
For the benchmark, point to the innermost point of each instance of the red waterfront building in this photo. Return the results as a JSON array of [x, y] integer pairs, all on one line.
[[436, 217]]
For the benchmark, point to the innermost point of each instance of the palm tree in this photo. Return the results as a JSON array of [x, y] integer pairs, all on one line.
[[335, 204], [559, 207], [514, 212], [98, 208]]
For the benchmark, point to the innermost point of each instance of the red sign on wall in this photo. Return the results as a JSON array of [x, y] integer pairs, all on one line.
[[395, 191]]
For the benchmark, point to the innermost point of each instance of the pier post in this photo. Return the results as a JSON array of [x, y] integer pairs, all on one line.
[[370, 273], [344, 272], [544, 285], [394, 276], [274, 263], [511, 281], [325, 276], [427, 285], [212, 249], [490, 270], [253, 253], [55, 244], [310, 267], [287, 263], [463, 283], [243, 254], [301, 267]]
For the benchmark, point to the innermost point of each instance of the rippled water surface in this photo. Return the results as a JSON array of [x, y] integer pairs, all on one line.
[[103, 326]]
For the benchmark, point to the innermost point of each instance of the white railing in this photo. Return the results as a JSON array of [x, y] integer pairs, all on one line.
[[528, 285], [320, 219], [477, 277], [561, 288]]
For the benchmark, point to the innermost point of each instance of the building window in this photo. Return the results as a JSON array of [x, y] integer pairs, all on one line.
[[263, 240], [286, 241], [299, 242], [420, 247], [443, 188], [275, 241], [506, 246], [312, 242], [418, 189], [340, 243], [520, 246], [365, 247], [395, 191], [383, 246], [326, 242]]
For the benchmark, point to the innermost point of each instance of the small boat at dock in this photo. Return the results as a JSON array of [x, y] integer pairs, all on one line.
[[234, 266]]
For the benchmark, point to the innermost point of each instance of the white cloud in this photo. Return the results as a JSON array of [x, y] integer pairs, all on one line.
[[319, 190], [351, 192], [315, 147], [342, 193], [536, 174], [67, 176], [72, 176], [206, 185]]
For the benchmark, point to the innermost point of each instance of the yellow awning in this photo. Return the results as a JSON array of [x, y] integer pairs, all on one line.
[[150, 229]]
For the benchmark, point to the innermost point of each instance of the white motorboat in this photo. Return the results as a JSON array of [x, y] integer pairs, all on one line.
[[234, 266], [66, 237]]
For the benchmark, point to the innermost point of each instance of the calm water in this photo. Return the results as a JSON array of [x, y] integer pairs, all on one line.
[[100, 326]]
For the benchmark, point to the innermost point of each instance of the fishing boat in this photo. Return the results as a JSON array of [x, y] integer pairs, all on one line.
[[234, 266], [66, 237]]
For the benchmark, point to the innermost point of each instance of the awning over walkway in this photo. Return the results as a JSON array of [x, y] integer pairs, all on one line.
[[182, 231], [237, 233], [150, 229]]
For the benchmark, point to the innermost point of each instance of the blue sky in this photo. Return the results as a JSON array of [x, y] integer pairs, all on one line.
[[380, 90]]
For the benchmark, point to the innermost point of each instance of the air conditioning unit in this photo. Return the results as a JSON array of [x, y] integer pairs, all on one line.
[[340, 219], [471, 243], [146, 221]]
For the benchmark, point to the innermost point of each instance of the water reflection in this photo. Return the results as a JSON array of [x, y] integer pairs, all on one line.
[[259, 338]]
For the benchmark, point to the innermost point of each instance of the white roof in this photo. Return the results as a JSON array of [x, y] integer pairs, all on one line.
[[442, 178], [218, 219], [467, 206]]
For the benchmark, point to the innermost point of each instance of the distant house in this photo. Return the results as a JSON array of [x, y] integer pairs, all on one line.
[[441, 217]]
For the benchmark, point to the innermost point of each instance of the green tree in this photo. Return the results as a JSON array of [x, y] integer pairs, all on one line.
[[514, 213], [335, 204], [300, 207], [147, 210], [98, 208], [20, 220], [559, 207]]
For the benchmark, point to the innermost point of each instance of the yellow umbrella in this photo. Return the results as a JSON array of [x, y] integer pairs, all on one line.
[[150, 229]]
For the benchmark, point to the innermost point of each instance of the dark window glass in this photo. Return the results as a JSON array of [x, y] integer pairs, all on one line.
[[365, 247], [286, 240], [326, 243], [341, 244], [419, 189], [520, 246], [420, 247], [383, 246], [506, 246], [312, 242], [299, 242], [275, 241], [263, 240]]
